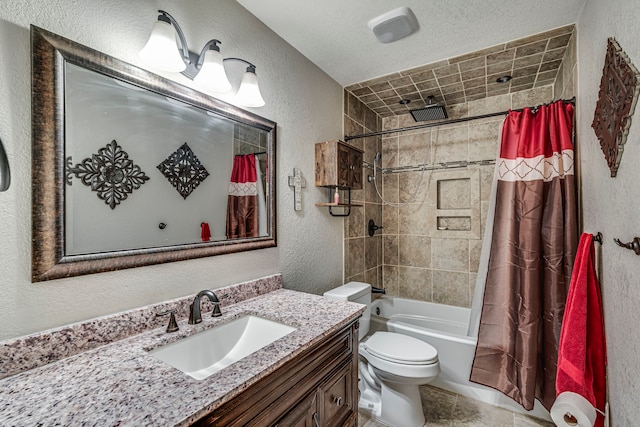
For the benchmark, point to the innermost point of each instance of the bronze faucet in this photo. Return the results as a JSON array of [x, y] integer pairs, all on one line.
[[194, 309]]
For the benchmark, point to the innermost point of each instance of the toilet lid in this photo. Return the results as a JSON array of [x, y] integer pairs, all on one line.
[[400, 348]]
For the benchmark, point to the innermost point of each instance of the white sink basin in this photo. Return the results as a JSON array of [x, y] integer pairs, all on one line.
[[207, 352]]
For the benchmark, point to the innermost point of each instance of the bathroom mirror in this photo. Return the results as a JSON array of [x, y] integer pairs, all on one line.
[[131, 169]]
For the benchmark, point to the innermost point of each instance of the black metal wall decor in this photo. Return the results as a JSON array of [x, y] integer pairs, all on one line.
[[183, 170], [110, 173], [616, 103], [68, 175]]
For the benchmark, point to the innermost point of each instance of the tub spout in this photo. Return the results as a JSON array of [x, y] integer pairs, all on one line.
[[375, 290]]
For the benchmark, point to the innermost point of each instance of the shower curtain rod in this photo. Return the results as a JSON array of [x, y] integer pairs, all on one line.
[[449, 122], [256, 154]]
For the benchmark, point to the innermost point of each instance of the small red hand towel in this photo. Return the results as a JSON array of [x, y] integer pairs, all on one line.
[[205, 232], [582, 354]]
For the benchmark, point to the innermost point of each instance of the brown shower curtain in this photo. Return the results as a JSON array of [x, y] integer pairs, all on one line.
[[242, 202], [532, 251]]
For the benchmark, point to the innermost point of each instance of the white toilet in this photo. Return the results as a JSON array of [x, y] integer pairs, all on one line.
[[391, 367]]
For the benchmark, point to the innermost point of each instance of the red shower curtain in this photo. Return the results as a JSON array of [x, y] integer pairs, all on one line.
[[532, 251], [242, 202]]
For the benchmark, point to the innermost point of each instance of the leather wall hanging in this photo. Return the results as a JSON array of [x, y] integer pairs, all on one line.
[[616, 103]]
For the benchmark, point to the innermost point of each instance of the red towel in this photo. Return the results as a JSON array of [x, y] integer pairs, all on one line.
[[582, 355], [205, 232]]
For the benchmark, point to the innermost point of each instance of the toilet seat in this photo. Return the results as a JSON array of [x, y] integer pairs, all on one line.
[[385, 351], [398, 348]]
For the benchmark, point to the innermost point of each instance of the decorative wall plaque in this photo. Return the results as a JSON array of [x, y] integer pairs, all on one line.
[[616, 103], [183, 170], [110, 173], [298, 183], [68, 175]]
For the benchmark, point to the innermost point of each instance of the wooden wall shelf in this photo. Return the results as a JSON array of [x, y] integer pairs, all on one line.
[[338, 166], [339, 205]]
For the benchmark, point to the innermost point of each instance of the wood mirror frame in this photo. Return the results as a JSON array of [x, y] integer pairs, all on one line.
[[50, 52]]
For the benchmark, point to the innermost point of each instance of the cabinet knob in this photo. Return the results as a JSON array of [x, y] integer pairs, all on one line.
[[337, 401]]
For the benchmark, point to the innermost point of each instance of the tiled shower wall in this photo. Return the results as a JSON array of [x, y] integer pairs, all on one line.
[[363, 254], [432, 243], [410, 257]]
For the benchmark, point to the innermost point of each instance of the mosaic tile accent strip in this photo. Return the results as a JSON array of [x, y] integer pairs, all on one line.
[[111, 174], [183, 170], [25, 353], [532, 61]]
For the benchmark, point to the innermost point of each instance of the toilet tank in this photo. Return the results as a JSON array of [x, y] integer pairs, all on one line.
[[355, 292]]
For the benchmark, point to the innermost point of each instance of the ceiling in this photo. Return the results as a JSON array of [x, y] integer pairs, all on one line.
[[529, 62], [334, 34]]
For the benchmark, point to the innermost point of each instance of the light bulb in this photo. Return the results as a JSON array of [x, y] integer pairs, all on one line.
[[161, 51], [212, 76], [249, 93]]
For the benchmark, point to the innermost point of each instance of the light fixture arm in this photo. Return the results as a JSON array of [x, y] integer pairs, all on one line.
[[210, 45], [250, 69], [184, 49]]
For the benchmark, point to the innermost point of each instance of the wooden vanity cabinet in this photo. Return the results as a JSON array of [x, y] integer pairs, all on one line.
[[338, 164], [317, 388]]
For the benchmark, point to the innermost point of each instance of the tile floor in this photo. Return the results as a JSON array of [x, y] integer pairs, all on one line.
[[443, 408]]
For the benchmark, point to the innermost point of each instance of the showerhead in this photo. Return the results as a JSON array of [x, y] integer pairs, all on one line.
[[429, 112], [376, 161]]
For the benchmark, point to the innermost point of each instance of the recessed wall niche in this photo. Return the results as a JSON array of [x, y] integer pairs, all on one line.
[[455, 204]]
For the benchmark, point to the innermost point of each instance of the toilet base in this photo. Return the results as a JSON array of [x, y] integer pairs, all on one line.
[[402, 405]]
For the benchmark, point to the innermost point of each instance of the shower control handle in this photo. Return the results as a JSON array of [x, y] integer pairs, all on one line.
[[372, 227]]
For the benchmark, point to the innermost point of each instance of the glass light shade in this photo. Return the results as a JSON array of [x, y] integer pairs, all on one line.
[[249, 93], [161, 51], [212, 76]]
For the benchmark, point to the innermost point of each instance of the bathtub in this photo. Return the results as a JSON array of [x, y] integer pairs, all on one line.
[[445, 328]]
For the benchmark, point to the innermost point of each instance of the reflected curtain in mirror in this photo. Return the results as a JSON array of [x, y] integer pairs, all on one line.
[[242, 204]]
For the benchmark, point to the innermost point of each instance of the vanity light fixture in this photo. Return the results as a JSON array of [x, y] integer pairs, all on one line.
[[206, 70], [5, 174]]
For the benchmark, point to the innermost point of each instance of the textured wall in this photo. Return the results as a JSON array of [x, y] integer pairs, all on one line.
[[306, 104], [611, 205]]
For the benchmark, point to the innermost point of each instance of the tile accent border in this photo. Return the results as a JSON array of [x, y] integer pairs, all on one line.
[[31, 351]]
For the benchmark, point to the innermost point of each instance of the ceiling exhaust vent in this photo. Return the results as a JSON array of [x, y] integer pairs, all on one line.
[[394, 25]]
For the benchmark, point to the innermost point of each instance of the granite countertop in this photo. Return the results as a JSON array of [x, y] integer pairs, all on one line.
[[121, 384]]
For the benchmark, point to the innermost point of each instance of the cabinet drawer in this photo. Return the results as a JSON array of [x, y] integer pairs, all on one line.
[[335, 396]]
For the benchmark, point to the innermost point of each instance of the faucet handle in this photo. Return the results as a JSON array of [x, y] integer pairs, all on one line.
[[216, 310], [173, 325]]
